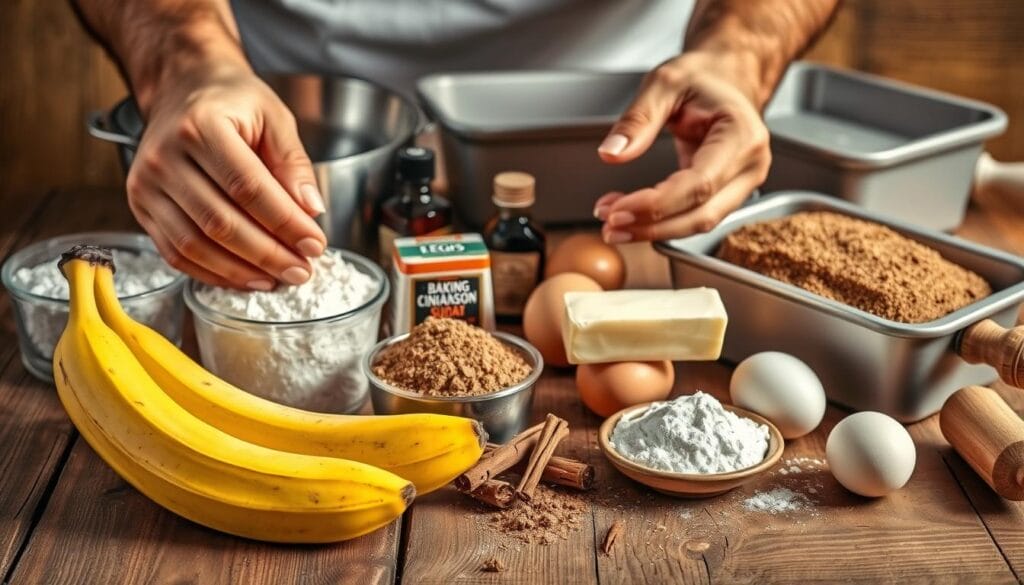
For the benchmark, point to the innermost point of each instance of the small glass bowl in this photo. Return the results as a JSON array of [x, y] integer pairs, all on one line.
[[503, 413], [312, 364], [40, 320]]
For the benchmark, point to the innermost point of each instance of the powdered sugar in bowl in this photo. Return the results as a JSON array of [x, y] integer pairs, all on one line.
[[149, 290], [296, 345]]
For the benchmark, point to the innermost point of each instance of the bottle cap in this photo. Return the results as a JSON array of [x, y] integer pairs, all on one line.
[[513, 189], [415, 164]]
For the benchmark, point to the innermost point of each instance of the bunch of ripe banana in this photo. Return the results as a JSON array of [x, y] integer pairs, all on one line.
[[225, 458]]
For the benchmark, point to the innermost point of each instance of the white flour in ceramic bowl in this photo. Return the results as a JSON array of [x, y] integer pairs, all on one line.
[[691, 434], [298, 345]]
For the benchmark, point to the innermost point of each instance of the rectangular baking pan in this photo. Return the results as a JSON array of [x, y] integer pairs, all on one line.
[[896, 149], [865, 362], [546, 123]]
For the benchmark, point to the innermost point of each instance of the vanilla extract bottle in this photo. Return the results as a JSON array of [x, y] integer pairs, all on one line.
[[515, 242], [414, 209]]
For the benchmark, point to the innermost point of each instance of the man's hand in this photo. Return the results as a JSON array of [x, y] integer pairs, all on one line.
[[220, 180], [720, 139], [223, 185], [710, 98]]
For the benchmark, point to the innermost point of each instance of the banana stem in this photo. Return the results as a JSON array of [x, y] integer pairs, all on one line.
[[79, 266]]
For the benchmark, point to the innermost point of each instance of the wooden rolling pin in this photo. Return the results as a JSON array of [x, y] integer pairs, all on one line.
[[989, 435], [988, 342]]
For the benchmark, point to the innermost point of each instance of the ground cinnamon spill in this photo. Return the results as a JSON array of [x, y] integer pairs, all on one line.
[[446, 357], [859, 263], [551, 515], [493, 565]]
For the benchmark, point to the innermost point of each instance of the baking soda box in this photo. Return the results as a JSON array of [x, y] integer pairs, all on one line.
[[445, 276]]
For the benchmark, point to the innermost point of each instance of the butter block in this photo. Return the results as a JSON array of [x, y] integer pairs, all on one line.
[[643, 325]]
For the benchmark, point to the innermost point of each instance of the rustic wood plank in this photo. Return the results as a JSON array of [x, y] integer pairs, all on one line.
[[967, 48], [995, 219], [34, 436], [34, 432], [447, 540], [55, 75], [98, 529], [926, 532]]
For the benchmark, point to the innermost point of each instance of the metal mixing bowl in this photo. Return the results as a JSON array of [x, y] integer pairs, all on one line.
[[503, 413], [351, 129]]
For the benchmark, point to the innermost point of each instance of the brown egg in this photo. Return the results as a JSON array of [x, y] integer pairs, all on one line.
[[588, 254], [542, 316], [608, 388]]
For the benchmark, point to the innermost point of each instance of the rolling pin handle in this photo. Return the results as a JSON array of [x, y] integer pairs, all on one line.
[[989, 436], [990, 343]]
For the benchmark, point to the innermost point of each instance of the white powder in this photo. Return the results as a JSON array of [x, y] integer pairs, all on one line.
[[776, 501], [691, 434], [316, 367], [135, 273], [335, 287]]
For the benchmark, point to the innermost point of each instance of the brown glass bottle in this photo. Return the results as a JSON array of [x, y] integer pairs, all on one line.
[[413, 210], [515, 242]]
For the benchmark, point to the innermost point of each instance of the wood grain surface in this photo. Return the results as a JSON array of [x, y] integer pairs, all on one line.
[[75, 521]]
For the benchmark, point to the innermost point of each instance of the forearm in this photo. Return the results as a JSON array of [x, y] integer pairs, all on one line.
[[156, 40], [760, 37]]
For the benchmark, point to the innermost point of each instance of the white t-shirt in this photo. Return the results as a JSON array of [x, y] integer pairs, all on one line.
[[395, 42]]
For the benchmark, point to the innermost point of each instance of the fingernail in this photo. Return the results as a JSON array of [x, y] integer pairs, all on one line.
[[601, 212], [295, 275], [312, 197], [310, 247], [614, 144], [621, 218], [263, 285], [617, 237]]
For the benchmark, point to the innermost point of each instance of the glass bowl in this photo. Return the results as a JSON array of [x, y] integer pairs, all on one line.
[[312, 364], [40, 320]]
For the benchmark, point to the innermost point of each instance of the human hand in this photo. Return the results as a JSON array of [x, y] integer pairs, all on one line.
[[222, 183], [708, 103]]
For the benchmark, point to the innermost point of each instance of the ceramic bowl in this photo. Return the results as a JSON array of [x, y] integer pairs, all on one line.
[[690, 485]]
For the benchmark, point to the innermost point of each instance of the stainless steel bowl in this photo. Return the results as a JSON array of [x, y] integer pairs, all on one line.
[[351, 129], [503, 413]]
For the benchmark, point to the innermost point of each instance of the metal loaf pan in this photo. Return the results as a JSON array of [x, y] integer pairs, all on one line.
[[865, 362], [546, 123], [899, 150]]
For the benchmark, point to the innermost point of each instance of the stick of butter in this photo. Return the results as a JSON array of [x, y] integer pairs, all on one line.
[[643, 325]]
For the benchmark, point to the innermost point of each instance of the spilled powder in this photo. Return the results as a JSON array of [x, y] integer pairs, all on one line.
[[493, 565], [551, 515], [778, 500], [447, 357]]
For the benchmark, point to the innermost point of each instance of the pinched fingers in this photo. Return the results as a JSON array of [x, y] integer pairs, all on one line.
[[218, 148], [230, 228], [187, 250]]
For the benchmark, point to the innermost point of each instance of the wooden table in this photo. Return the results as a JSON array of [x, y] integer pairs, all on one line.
[[65, 517]]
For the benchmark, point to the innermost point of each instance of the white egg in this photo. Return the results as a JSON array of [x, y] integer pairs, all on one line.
[[871, 454], [782, 389]]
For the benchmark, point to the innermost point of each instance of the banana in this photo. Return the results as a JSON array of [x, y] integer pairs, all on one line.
[[429, 450], [192, 468]]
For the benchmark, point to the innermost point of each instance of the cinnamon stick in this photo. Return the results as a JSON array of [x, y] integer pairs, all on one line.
[[555, 429], [523, 436], [563, 471], [499, 460], [613, 535], [494, 492], [569, 472]]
